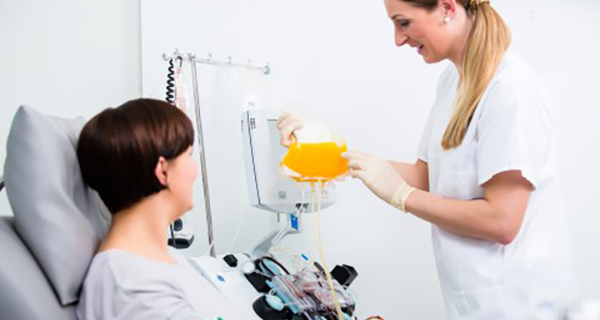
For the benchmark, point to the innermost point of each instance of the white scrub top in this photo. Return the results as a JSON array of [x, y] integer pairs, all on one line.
[[511, 129], [121, 285]]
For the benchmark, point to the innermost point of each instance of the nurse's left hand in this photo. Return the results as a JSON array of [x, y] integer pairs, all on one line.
[[378, 174]]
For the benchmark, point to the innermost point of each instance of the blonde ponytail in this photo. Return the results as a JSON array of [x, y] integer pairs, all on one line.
[[488, 41]]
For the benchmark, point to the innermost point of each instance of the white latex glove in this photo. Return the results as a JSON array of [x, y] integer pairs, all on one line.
[[380, 176], [287, 125]]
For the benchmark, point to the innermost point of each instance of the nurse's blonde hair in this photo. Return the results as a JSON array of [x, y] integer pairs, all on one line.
[[488, 41]]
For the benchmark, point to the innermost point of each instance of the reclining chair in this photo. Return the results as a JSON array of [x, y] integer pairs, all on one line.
[[57, 222]]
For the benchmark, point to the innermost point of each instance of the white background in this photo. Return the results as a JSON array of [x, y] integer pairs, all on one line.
[[335, 58], [67, 58]]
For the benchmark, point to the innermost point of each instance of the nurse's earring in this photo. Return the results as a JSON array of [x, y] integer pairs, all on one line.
[[446, 20]]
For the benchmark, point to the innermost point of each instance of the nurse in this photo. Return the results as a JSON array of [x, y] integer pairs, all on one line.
[[486, 170]]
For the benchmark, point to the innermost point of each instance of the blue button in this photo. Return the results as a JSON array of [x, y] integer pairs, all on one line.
[[220, 278]]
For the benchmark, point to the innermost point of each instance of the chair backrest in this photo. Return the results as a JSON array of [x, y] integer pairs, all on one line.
[[25, 292], [56, 224], [59, 219]]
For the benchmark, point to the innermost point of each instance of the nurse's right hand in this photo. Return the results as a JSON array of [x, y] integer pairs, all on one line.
[[287, 125], [380, 176]]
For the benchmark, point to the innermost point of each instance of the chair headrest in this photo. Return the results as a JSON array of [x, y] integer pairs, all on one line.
[[57, 216]]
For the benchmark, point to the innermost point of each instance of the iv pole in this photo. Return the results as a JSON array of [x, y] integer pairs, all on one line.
[[193, 61], [201, 150]]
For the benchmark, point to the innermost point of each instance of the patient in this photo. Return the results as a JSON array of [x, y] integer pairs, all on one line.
[[139, 158]]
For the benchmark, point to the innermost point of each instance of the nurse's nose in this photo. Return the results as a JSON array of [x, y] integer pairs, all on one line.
[[400, 38]]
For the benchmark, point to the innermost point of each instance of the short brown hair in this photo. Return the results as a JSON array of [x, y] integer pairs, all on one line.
[[119, 148]]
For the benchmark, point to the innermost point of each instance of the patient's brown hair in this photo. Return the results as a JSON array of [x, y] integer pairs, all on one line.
[[119, 148]]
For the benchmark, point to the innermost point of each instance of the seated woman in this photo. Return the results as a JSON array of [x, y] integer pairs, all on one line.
[[139, 158]]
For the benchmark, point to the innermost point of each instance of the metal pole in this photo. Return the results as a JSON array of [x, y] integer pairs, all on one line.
[[209, 222], [266, 69]]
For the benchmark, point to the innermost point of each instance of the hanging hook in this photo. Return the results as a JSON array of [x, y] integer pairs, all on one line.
[[266, 69]]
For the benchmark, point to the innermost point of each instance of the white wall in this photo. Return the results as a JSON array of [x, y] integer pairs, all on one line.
[[67, 58], [338, 59]]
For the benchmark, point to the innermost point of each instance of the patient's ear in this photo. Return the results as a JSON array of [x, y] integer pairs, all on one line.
[[161, 171]]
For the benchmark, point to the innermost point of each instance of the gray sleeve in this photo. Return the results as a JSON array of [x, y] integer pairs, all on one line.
[[132, 293], [157, 303]]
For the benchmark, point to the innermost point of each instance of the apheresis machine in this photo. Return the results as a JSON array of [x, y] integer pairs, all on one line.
[[261, 285]]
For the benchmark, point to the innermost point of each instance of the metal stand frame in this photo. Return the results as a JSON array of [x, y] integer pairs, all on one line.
[[201, 150]]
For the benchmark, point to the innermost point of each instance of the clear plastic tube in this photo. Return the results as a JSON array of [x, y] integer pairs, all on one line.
[[320, 249]]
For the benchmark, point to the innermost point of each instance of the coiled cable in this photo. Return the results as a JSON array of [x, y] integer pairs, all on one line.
[[171, 83]]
